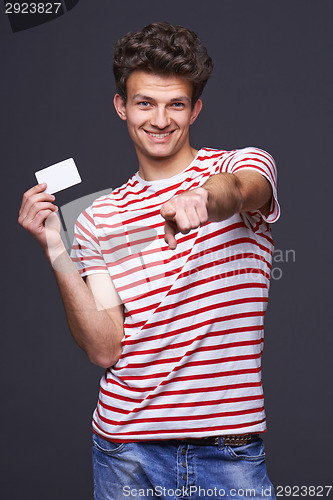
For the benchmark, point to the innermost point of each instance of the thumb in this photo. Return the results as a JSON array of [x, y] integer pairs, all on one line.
[[168, 211]]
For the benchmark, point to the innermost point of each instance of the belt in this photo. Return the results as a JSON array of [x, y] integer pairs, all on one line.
[[229, 440]]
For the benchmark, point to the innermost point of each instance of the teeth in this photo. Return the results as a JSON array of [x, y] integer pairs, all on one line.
[[160, 136]]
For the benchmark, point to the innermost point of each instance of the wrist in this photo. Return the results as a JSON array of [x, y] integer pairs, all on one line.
[[209, 195], [204, 193]]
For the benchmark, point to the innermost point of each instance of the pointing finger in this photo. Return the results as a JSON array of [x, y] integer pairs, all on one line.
[[170, 231]]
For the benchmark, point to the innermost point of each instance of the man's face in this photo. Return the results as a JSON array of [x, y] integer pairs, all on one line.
[[158, 114]]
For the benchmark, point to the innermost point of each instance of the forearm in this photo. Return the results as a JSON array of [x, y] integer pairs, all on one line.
[[96, 330], [219, 198], [224, 196], [244, 191]]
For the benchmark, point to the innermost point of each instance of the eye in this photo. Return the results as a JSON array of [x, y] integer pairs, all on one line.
[[144, 104], [178, 105]]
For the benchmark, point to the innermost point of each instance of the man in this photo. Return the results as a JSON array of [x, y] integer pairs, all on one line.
[[172, 288]]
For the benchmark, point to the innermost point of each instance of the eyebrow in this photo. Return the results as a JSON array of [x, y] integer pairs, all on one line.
[[149, 98], [181, 98]]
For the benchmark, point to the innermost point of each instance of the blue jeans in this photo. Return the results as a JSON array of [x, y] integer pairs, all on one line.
[[172, 470]]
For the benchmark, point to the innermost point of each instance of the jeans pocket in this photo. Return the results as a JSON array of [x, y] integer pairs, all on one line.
[[252, 452], [107, 447]]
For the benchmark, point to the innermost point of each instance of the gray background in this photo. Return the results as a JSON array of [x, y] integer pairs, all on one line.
[[271, 88]]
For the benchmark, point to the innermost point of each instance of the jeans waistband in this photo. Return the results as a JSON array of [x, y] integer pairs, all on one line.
[[227, 440]]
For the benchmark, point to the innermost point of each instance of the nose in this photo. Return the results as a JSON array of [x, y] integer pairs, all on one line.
[[160, 118]]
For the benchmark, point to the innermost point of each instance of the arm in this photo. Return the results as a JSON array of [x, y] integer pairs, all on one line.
[[96, 324], [220, 197]]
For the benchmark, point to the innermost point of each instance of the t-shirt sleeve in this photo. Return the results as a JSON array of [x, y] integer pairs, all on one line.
[[86, 251], [262, 162]]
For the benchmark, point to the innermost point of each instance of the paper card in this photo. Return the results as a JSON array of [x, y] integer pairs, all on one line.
[[59, 176]]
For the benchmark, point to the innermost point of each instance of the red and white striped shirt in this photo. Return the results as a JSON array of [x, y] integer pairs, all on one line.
[[194, 316]]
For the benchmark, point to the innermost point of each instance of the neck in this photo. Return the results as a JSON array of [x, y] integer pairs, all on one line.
[[152, 169]]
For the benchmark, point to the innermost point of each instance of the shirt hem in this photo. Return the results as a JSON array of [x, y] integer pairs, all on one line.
[[115, 439]]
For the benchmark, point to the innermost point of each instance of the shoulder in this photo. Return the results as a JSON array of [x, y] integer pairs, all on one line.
[[253, 153], [249, 151], [249, 157]]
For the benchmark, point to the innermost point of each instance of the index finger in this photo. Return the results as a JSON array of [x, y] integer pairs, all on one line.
[[38, 188], [170, 231]]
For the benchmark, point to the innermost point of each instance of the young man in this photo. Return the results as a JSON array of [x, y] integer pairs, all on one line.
[[172, 289]]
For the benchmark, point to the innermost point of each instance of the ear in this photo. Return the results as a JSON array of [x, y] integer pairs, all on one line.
[[195, 111], [120, 106]]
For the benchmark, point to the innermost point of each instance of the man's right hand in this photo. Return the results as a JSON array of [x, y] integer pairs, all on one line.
[[38, 216], [96, 322]]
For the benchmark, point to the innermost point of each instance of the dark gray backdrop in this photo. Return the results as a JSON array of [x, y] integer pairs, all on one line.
[[271, 88]]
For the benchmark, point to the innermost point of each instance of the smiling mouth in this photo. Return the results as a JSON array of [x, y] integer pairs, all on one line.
[[159, 135]]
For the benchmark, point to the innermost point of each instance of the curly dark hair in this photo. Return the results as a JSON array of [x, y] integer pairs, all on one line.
[[163, 49]]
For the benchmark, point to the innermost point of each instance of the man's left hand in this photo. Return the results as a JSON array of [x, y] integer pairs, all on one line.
[[184, 212]]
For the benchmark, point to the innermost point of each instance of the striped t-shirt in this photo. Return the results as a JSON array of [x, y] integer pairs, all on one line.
[[194, 316]]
